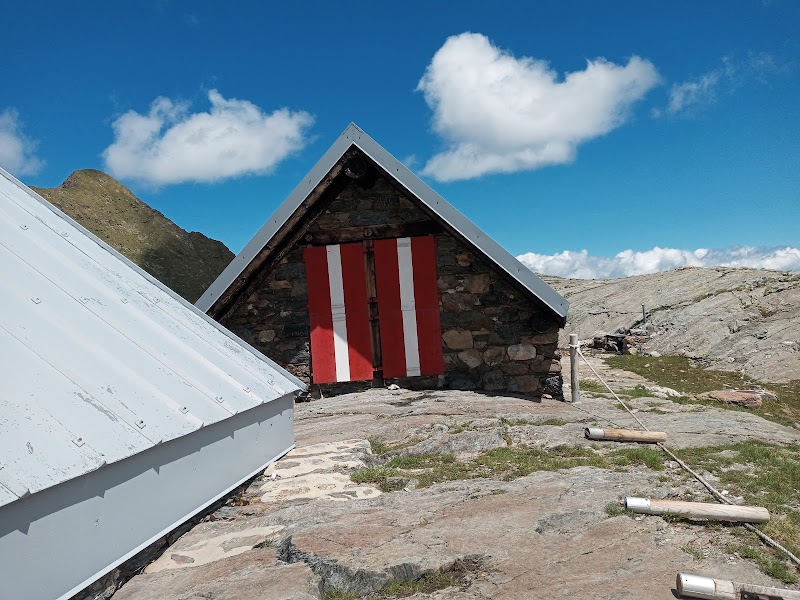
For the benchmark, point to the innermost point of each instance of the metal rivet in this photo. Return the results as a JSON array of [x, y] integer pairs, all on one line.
[[140, 424], [184, 409], [65, 233], [78, 442], [23, 226], [124, 300], [156, 300], [84, 300], [246, 390], [36, 300]]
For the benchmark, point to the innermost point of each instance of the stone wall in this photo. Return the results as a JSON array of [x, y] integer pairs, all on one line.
[[494, 338]]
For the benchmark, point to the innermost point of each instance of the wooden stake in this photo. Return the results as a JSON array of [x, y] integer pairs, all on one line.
[[699, 510], [696, 586], [624, 435]]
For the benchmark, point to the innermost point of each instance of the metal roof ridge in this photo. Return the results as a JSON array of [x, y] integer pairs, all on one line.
[[354, 135], [161, 286]]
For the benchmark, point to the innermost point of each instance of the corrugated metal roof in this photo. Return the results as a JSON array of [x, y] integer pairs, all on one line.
[[353, 136], [99, 360]]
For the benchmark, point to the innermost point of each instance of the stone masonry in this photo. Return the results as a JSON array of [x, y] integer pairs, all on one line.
[[495, 338]]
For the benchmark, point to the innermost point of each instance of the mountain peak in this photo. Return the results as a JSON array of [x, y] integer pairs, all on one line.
[[186, 262]]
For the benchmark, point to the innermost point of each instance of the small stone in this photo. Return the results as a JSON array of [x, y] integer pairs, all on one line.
[[280, 284], [457, 339], [478, 284], [494, 355], [458, 302], [522, 352], [514, 368], [526, 384], [181, 559], [266, 336], [494, 381], [472, 358], [746, 399], [463, 260]]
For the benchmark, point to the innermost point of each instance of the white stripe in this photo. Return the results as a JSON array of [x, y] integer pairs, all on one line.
[[336, 284], [405, 267]]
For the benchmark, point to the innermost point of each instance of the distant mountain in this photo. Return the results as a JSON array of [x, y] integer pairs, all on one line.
[[186, 262], [744, 320]]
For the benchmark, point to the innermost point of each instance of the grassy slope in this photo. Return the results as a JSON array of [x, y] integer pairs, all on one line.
[[186, 262]]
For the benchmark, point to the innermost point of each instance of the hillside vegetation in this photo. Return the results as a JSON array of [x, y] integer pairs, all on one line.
[[187, 262], [744, 320]]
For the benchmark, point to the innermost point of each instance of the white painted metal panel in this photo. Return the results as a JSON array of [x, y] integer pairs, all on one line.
[[37, 383], [103, 361]]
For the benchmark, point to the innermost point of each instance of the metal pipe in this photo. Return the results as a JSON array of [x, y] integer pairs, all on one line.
[[708, 588], [573, 367], [699, 510], [625, 435]]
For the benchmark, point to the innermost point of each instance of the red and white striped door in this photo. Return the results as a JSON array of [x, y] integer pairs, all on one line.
[[408, 309], [341, 348], [408, 304]]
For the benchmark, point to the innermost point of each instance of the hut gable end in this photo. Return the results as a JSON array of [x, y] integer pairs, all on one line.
[[494, 330]]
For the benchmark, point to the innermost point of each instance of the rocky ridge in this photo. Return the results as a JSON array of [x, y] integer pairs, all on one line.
[[186, 262], [729, 319]]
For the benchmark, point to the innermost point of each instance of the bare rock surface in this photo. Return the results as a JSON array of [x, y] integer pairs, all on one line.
[[730, 319], [549, 534]]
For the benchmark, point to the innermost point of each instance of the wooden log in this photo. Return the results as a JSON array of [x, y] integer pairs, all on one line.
[[625, 435], [698, 510], [697, 586]]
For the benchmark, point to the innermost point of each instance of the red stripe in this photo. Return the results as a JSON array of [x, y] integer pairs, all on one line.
[[359, 338], [323, 360], [387, 278], [426, 300]]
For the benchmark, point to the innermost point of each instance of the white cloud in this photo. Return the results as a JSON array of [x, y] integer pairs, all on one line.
[[581, 265], [171, 145], [502, 114], [17, 151], [693, 95]]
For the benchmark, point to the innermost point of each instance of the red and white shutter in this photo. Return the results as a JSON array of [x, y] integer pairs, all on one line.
[[408, 304], [341, 347]]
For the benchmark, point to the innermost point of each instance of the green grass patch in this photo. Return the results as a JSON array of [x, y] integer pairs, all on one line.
[[593, 387], [770, 478], [765, 475], [768, 564], [501, 463], [517, 422], [680, 374], [460, 427], [693, 552]]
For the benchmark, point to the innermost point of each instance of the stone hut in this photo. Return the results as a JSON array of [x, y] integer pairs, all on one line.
[[364, 273]]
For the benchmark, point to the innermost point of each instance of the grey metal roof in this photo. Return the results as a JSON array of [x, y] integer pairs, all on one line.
[[353, 136], [99, 360]]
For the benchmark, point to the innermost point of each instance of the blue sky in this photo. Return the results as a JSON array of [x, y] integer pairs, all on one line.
[[646, 134]]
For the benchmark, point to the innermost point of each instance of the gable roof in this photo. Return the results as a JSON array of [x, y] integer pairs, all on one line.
[[235, 273], [105, 361]]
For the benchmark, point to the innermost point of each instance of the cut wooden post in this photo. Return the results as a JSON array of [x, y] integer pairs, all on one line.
[[698, 510], [573, 367], [697, 586], [625, 435]]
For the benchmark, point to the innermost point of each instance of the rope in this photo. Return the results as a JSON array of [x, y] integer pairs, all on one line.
[[749, 526]]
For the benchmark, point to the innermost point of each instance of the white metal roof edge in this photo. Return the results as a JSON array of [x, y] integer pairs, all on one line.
[[353, 135], [62, 215]]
